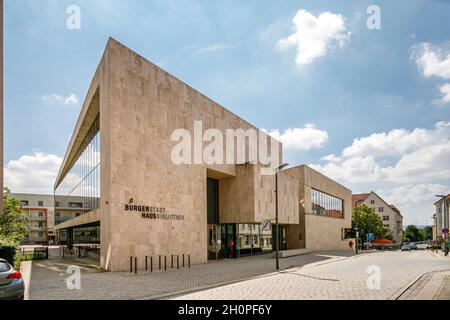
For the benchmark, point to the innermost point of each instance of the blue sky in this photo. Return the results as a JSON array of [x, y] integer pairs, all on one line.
[[371, 83]]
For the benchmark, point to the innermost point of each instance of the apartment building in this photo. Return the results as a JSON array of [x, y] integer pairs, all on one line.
[[40, 212], [389, 214]]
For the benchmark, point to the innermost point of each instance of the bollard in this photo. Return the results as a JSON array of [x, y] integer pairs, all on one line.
[[178, 261], [151, 264], [131, 264], [159, 262], [189, 260], [135, 265], [146, 264], [183, 260], [171, 261], [165, 263]]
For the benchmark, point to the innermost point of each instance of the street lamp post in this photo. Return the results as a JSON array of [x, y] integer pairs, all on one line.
[[356, 240], [277, 230]]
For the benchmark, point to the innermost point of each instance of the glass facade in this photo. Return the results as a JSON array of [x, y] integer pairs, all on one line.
[[326, 205], [80, 187], [252, 240]]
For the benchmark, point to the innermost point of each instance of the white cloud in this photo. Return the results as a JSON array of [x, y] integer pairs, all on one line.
[[432, 60], [415, 201], [421, 155], [399, 163], [313, 36], [70, 100], [397, 141], [444, 89], [301, 138], [32, 173], [331, 158]]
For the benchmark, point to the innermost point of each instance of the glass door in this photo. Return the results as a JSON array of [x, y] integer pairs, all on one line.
[[213, 242], [228, 241]]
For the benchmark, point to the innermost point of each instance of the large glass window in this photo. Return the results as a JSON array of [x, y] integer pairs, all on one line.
[[326, 205], [80, 187]]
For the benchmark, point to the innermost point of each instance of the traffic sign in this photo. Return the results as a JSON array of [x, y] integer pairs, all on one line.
[[370, 237], [266, 225], [445, 230]]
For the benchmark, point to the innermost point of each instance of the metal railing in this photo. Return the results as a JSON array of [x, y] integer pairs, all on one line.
[[63, 218], [85, 253], [33, 253], [34, 239], [36, 218], [162, 263], [34, 228]]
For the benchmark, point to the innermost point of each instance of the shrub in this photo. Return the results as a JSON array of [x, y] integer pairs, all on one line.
[[8, 253]]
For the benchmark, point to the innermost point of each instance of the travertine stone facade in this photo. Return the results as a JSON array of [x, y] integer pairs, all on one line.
[[140, 106], [318, 232]]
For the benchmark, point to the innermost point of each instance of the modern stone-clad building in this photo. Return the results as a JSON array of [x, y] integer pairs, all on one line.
[[143, 195], [325, 212]]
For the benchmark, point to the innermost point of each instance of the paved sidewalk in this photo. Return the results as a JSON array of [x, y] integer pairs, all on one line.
[[349, 279], [47, 278], [431, 286]]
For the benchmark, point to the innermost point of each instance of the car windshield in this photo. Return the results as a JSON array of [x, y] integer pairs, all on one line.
[[4, 267]]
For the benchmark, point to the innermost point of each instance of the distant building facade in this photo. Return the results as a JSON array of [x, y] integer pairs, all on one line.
[[389, 214], [40, 212], [441, 217]]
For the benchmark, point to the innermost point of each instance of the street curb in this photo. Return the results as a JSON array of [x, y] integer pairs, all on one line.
[[405, 288], [25, 269], [397, 294]]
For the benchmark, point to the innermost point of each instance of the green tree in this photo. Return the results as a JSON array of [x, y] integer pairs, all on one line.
[[367, 221], [13, 222], [427, 233], [414, 234]]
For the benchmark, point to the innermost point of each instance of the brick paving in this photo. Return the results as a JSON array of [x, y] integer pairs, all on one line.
[[341, 280], [322, 275], [48, 277]]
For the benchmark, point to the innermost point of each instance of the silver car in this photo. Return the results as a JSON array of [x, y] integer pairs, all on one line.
[[11, 282]]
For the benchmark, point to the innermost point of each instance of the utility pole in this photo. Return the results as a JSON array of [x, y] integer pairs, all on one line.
[[277, 229]]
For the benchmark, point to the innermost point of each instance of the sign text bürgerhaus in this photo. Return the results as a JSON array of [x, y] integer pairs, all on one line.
[[148, 212]]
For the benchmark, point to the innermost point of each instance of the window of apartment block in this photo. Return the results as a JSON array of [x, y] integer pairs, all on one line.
[[40, 214], [380, 209], [386, 225], [57, 204], [24, 203], [41, 234], [372, 201], [40, 203], [77, 214], [385, 218], [40, 224], [75, 205]]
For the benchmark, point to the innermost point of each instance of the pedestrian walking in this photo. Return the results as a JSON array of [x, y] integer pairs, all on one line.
[[350, 245]]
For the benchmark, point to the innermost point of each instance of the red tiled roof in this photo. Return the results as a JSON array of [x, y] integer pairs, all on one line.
[[358, 198]]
